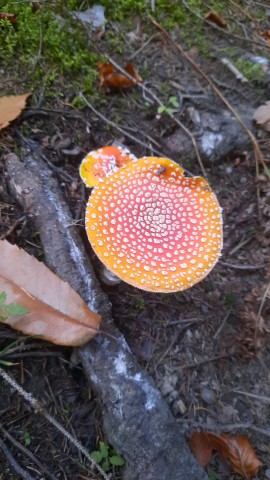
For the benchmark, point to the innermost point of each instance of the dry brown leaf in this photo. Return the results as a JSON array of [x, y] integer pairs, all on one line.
[[262, 116], [201, 448], [8, 16], [237, 450], [266, 36], [215, 18], [56, 311], [109, 77], [241, 455], [11, 107]]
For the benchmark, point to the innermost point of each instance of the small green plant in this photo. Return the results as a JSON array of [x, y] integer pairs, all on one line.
[[139, 303], [106, 457], [229, 299], [213, 476], [10, 309], [171, 108], [27, 438]]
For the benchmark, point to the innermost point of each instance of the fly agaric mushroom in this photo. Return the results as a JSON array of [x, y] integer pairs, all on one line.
[[102, 162], [153, 227]]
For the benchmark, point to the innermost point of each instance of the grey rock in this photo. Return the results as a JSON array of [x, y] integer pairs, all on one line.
[[218, 135]]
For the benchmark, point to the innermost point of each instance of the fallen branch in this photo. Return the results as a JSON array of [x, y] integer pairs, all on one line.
[[136, 419]]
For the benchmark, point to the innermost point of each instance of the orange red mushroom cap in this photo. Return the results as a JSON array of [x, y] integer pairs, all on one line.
[[153, 227], [101, 163]]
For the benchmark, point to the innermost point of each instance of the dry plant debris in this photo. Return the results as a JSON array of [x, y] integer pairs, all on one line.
[[266, 36], [262, 116], [255, 322], [11, 107], [55, 311], [109, 77], [236, 449], [8, 16], [215, 18]]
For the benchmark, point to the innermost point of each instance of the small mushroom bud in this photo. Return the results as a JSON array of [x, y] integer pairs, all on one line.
[[101, 163]]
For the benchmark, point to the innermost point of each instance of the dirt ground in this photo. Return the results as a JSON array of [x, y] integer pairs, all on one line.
[[207, 347]]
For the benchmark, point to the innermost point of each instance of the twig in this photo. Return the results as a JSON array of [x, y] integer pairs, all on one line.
[[222, 30], [242, 267], [222, 324], [244, 241], [202, 362], [167, 350], [142, 47], [38, 408], [246, 426], [18, 469], [257, 151], [261, 398], [234, 70], [114, 125], [27, 453], [12, 228], [161, 104], [225, 428], [259, 314]]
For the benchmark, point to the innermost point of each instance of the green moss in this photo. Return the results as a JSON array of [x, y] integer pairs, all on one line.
[[252, 71], [41, 45]]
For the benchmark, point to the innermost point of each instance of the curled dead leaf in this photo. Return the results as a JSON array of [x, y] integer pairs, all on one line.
[[8, 16], [201, 448], [55, 311], [215, 18], [266, 36], [11, 107], [236, 449], [109, 77]]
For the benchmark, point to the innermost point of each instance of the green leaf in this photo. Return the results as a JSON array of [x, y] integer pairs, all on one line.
[[116, 460], [170, 111], [174, 102], [3, 297], [6, 363], [161, 109], [14, 309], [106, 465], [96, 456], [27, 438], [104, 450]]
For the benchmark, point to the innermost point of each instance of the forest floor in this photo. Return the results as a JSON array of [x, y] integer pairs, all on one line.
[[207, 347]]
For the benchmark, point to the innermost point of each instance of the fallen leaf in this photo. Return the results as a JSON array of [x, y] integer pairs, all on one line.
[[215, 18], [241, 455], [236, 449], [109, 77], [56, 311], [201, 448], [11, 107], [266, 36], [262, 116], [8, 16]]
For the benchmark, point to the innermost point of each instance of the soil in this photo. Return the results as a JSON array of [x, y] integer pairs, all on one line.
[[207, 347]]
